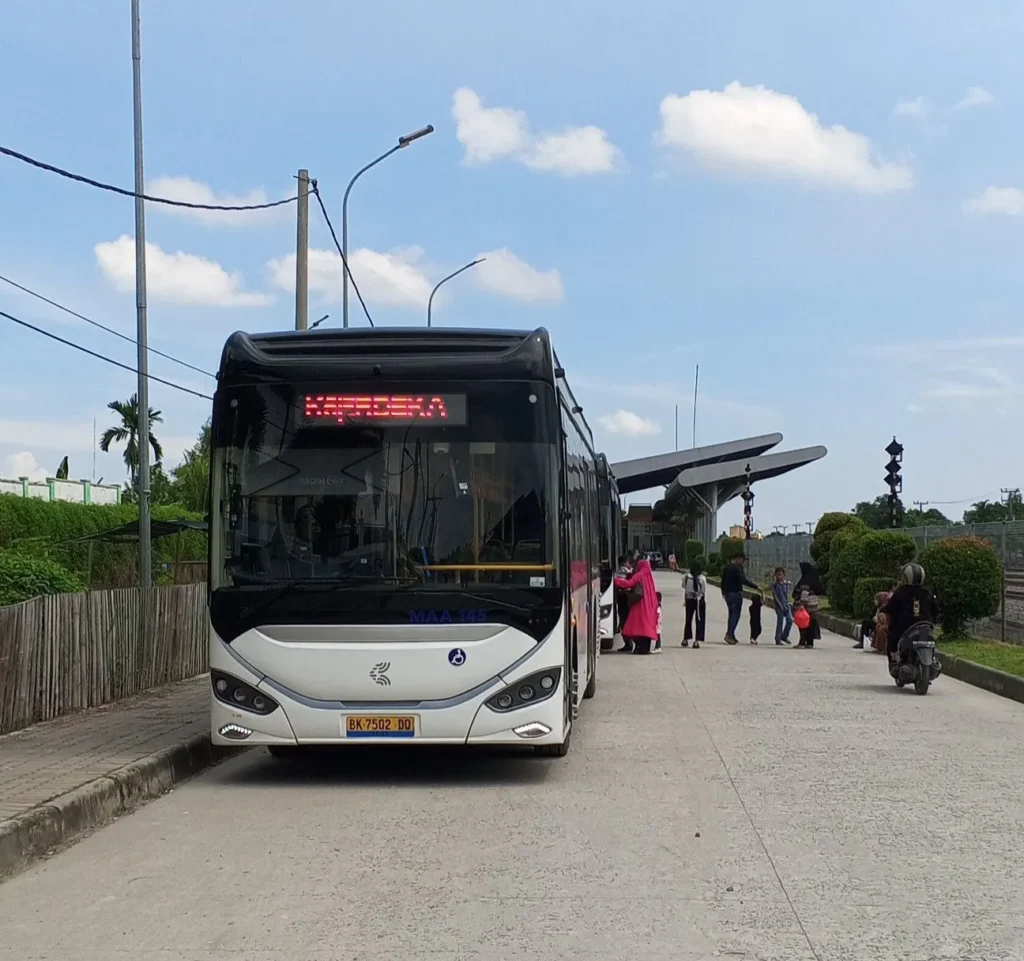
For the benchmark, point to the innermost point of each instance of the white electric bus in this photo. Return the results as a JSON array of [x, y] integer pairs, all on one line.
[[405, 541]]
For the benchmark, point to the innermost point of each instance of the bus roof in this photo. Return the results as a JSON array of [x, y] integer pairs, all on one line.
[[362, 351]]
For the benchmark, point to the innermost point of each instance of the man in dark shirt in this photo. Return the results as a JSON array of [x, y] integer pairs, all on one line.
[[733, 582], [910, 604]]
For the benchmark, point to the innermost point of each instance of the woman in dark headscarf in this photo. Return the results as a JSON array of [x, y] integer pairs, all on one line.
[[806, 593]]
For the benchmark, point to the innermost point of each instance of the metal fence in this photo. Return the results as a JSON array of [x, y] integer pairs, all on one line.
[[765, 555], [67, 652]]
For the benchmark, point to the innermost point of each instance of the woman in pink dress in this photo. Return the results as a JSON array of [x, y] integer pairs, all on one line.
[[641, 626]]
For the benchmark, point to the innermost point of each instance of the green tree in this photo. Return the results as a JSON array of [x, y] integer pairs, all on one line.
[[928, 518], [992, 512], [127, 433], [62, 469], [875, 514]]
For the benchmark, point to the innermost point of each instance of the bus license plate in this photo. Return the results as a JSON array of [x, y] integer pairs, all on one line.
[[380, 725]]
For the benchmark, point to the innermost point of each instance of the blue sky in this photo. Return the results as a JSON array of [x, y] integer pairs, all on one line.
[[825, 210]]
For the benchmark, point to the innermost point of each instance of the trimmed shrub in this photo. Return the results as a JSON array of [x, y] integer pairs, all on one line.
[[24, 576], [829, 525], [864, 591], [728, 548], [885, 552], [694, 548], [967, 578], [714, 564], [41, 527], [846, 566]]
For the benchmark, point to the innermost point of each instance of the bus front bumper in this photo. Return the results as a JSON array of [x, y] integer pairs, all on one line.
[[296, 723]]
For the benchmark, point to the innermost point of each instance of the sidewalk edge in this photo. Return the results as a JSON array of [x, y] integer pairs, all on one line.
[[66, 818]]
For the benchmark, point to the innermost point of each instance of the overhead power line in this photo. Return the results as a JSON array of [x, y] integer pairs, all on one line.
[[96, 323], [315, 189], [61, 172], [103, 357]]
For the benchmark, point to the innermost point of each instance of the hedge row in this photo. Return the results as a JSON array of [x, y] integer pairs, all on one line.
[[856, 563], [49, 531]]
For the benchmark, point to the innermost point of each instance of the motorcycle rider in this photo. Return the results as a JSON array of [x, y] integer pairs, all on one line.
[[909, 604]]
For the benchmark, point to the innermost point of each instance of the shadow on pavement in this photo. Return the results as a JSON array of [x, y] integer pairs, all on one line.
[[421, 766]]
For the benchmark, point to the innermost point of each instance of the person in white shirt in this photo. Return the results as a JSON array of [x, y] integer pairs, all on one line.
[[695, 588]]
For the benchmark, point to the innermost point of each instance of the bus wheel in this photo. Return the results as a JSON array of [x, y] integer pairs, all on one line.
[[591, 689], [554, 750]]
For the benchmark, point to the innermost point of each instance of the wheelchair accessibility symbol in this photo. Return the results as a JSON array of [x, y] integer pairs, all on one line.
[[456, 657]]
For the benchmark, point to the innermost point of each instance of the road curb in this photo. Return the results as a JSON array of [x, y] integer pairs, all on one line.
[[29, 836], [977, 675], [987, 678]]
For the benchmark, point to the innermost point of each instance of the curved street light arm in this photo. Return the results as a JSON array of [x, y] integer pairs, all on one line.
[[444, 280]]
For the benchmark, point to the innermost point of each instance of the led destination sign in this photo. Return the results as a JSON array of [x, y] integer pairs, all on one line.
[[398, 409]]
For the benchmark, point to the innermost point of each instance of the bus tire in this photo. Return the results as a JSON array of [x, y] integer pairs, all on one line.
[[554, 750], [591, 689]]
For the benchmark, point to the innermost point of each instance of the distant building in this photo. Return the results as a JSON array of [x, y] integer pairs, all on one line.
[[52, 489]]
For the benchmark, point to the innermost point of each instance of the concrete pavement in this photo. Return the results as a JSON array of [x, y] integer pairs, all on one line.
[[727, 802]]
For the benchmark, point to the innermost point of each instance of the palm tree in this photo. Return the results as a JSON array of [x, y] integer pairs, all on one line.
[[127, 433]]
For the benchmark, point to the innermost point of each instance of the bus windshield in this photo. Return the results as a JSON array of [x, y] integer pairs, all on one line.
[[420, 486]]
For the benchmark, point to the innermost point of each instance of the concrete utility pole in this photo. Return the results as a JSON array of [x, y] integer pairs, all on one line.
[[1011, 496], [142, 478], [302, 254]]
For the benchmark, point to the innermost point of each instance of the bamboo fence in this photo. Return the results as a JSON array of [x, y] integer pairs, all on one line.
[[67, 652]]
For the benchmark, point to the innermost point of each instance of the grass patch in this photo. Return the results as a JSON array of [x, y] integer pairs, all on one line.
[[1008, 658]]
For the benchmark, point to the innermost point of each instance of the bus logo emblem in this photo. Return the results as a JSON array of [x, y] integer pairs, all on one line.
[[456, 657], [379, 675]]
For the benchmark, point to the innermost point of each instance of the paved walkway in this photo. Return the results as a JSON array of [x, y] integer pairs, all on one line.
[[753, 803], [50, 759]]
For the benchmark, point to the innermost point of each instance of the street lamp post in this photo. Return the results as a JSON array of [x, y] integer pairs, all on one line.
[[402, 142], [430, 303]]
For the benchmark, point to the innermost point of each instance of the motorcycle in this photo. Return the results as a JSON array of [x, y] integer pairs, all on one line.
[[916, 661]]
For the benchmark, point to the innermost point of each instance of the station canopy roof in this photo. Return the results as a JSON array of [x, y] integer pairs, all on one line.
[[661, 470]]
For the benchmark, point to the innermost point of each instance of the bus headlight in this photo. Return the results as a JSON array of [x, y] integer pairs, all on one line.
[[606, 610], [230, 690], [530, 690]]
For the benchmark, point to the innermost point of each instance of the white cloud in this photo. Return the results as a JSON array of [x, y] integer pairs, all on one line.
[[916, 108], [487, 133], [975, 97], [505, 274], [760, 131], [393, 279], [194, 192], [626, 423], [495, 133], [1008, 201], [177, 278], [578, 150], [23, 464]]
